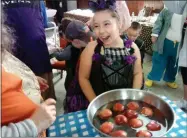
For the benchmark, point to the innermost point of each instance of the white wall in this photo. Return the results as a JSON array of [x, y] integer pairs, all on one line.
[[71, 4]]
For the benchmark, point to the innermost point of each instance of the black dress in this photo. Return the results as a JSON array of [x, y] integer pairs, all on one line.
[[110, 71]]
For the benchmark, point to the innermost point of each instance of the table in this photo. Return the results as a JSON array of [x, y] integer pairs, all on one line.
[[146, 37], [146, 27], [76, 124]]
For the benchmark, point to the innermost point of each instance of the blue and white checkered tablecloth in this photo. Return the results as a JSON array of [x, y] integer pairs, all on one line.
[[76, 124]]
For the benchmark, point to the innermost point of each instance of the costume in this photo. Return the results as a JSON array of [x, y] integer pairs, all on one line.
[[112, 68], [71, 55], [165, 48]]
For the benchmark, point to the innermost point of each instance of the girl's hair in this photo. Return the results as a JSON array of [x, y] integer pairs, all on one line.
[[113, 13], [63, 25], [104, 5]]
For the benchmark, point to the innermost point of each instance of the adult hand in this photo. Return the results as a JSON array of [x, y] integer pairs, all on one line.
[[45, 115], [153, 39], [43, 84]]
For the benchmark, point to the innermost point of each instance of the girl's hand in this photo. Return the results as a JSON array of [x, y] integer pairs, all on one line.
[[43, 84]]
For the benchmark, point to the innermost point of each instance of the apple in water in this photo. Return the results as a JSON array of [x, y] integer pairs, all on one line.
[[118, 107], [105, 114], [131, 114], [153, 126], [135, 123], [147, 111], [120, 120], [133, 106], [118, 133], [143, 133], [107, 127]]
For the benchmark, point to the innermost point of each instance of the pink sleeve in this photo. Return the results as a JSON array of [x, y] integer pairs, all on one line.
[[123, 11]]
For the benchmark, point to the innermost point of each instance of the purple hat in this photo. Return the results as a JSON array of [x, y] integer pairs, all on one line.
[[78, 30]]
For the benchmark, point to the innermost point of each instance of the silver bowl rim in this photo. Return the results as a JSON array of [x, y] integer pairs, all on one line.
[[148, 91]]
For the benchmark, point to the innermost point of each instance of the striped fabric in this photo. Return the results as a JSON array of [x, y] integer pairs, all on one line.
[[115, 53]]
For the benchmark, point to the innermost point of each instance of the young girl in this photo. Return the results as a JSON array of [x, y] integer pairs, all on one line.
[[110, 62]]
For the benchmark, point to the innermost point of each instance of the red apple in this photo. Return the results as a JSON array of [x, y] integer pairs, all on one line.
[[133, 106], [105, 114], [143, 133], [118, 107], [120, 120], [131, 114], [147, 111], [135, 123], [153, 126], [107, 127], [118, 133]]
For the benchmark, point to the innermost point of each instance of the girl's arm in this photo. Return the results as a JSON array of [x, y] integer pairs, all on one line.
[[85, 69], [138, 74]]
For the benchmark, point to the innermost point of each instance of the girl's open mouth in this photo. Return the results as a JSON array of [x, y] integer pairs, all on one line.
[[105, 38]]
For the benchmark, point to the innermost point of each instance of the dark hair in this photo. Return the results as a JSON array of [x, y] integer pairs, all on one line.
[[63, 25], [97, 5], [104, 5], [135, 25], [114, 14]]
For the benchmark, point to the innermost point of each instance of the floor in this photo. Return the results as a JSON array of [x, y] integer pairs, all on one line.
[[159, 88]]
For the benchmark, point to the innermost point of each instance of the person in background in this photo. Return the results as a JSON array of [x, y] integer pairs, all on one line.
[[44, 14], [22, 114], [101, 60], [166, 36], [30, 47], [123, 11], [63, 25], [180, 7], [133, 33], [78, 35]]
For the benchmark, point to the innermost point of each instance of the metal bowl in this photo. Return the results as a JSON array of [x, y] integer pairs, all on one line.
[[132, 94]]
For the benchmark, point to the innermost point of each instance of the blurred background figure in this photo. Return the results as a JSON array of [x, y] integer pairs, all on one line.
[[180, 7], [30, 47], [21, 92]]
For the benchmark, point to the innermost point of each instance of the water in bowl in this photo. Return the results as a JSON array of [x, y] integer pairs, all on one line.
[[131, 132]]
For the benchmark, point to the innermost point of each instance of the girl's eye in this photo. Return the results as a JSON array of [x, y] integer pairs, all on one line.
[[107, 24], [95, 26]]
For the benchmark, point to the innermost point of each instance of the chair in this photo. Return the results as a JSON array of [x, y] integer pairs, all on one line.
[[60, 65], [51, 38]]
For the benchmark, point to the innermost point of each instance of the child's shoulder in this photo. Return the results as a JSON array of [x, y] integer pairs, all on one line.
[[91, 45], [89, 50]]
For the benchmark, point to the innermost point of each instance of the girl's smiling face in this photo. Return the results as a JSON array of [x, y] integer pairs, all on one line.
[[106, 27]]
